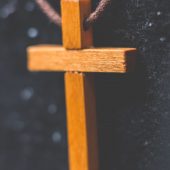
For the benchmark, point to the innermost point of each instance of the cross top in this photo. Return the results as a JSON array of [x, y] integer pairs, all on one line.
[[76, 58], [74, 35]]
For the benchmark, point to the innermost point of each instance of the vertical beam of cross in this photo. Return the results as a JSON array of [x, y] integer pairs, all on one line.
[[81, 122], [80, 97]]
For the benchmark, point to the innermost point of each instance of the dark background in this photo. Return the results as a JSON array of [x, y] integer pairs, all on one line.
[[133, 109]]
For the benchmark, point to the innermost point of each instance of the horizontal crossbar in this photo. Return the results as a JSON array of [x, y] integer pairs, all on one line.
[[56, 58]]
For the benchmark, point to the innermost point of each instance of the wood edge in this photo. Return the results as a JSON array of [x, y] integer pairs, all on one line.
[[43, 47]]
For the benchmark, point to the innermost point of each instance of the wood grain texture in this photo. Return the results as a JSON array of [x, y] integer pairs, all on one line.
[[73, 14], [52, 58], [81, 121]]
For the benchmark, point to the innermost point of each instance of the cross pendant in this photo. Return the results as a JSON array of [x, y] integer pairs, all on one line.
[[79, 60]]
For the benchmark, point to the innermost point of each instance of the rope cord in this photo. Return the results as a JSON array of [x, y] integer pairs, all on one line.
[[54, 17], [49, 11]]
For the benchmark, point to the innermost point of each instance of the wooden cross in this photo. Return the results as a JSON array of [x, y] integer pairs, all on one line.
[[76, 58]]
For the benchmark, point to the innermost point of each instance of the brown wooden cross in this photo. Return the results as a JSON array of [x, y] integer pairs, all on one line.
[[76, 62]]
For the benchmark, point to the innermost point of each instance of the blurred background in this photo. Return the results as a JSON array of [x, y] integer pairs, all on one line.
[[133, 110]]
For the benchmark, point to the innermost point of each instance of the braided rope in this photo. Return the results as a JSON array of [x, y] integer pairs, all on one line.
[[94, 16]]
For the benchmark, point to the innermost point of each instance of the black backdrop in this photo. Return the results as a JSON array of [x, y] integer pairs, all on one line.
[[133, 110]]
